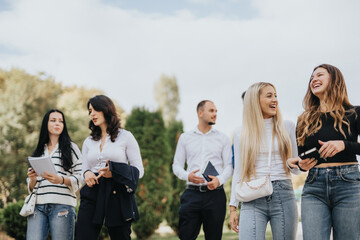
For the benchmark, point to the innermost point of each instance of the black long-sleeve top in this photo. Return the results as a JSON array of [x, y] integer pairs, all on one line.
[[327, 133]]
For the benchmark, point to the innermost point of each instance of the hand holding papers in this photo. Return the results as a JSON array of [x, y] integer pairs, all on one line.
[[42, 164]]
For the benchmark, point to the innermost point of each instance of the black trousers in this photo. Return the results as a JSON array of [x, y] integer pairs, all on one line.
[[207, 208], [85, 229]]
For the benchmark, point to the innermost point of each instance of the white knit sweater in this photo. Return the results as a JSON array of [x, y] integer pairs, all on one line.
[[48, 192]]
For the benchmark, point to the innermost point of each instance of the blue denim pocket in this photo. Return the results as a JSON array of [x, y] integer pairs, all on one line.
[[311, 177], [352, 177], [285, 184]]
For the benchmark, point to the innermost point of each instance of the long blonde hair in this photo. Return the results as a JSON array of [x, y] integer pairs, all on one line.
[[253, 134], [309, 122]]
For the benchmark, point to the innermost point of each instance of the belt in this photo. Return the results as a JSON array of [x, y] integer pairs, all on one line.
[[202, 188]]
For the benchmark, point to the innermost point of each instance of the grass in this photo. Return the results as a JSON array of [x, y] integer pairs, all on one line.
[[227, 235]]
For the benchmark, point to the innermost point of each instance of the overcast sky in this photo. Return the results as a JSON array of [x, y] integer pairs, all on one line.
[[215, 48]]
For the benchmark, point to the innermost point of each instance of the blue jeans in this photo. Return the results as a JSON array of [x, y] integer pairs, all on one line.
[[58, 218], [331, 198], [279, 208]]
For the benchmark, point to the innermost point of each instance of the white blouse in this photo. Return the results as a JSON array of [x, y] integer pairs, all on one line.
[[124, 149]]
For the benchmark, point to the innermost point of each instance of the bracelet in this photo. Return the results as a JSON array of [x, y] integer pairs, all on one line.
[[85, 172], [63, 180]]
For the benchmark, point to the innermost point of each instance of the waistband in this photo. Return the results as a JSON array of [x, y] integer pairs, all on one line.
[[337, 169], [202, 188]]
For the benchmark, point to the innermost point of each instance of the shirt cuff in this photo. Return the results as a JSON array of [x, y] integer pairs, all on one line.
[[295, 171]]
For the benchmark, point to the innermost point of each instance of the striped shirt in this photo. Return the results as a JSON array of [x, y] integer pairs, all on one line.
[[60, 193]]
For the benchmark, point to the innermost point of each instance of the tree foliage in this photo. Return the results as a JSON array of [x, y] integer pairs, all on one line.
[[73, 103], [24, 99], [154, 192], [167, 96], [173, 132]]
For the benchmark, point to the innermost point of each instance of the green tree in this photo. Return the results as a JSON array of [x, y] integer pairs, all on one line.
[[174, 131], [73, 104], [166, 93], [24, 99], [167, 96], [154, 191]]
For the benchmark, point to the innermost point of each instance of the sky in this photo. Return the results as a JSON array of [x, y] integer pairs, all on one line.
[[215, 49]]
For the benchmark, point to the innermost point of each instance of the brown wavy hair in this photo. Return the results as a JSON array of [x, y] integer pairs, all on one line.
[[309, 122], [102, 103]]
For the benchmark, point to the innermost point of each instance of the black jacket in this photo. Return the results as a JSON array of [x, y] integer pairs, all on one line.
[[115, 200]]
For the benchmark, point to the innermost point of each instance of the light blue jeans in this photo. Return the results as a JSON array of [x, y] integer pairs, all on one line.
[[331, 198], [279, 208], [58, 218]]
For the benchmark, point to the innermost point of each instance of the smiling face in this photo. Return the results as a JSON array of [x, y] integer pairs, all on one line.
[[55, 123], [208, 113], [268, 101], [96, 116], [319, 82]]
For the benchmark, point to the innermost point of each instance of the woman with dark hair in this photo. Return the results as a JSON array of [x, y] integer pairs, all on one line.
[[56, 199], [111, 168], [331, 195]]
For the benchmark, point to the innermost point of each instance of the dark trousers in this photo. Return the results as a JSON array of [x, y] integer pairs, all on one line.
[[85, 229], [207, 208]]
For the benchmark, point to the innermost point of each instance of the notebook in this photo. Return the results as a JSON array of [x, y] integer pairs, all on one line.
[[209, 169]]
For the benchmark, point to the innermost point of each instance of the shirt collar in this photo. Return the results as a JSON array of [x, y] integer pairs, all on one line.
[[197, 131], [46, 150]]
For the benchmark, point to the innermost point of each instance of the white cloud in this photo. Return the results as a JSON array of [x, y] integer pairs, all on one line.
[[199, 1], [124, 52]]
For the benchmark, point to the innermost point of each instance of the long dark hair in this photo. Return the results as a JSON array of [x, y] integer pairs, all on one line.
[[64, 141], [102, 103]]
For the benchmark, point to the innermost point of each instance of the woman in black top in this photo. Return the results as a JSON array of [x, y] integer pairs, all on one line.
[[331, 195]]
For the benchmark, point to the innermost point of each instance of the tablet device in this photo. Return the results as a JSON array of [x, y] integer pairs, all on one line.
[[42, 164]]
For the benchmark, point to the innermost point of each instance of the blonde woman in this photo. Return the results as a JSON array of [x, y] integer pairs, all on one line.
[[331, 195], [262, 123]]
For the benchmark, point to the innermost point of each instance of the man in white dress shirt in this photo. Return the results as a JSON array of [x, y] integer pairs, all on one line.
[[203, 202]]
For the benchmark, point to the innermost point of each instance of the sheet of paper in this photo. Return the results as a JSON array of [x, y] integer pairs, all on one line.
[[42, 164]]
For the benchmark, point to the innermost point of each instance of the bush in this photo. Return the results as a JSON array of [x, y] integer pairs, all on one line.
[[14, 224], [154, 191], [2, 227], [178, 186]]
